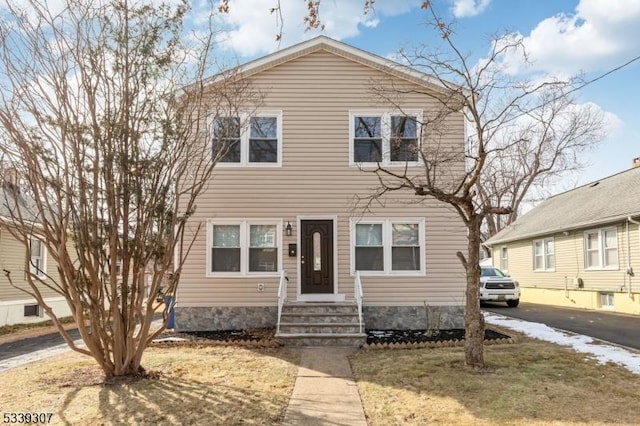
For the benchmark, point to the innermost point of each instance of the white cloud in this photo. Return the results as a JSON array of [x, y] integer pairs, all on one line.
[[252, 28], [469, 8], [596, 37]]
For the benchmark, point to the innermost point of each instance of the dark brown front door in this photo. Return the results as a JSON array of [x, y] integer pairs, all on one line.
[[316, 256]]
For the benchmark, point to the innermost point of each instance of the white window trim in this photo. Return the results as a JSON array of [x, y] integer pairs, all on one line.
[[43, 257], [244, 247], [545, 267], [387, 231], [601, 250], [245, 133], [386, 135]]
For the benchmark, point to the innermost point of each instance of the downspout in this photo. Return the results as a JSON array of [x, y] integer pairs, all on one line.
[[629, 267]]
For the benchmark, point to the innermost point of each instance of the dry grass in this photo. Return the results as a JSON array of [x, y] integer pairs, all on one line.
[[216, 385], [530, 382], [22, 330]]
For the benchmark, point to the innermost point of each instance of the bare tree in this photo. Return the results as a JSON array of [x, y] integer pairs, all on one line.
[[112, 150], [550, 140], [519, 133]]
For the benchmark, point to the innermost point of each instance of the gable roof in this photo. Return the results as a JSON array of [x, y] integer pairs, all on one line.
[[14, 203], [608, 200], [341, 49]]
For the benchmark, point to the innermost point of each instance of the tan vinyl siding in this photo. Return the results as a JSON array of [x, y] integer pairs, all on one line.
[[315, 94], [570, 262]]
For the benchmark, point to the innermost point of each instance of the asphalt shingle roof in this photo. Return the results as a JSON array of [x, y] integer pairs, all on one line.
[[604, 201]]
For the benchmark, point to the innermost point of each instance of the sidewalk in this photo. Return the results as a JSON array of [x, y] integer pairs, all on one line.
[[325, 392]]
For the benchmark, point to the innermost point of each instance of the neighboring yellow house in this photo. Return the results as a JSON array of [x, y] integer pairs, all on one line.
[[580, 248], [282, 199], [16, 306]]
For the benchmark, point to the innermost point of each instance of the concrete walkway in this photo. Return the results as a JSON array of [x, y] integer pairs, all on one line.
[[325, 392]]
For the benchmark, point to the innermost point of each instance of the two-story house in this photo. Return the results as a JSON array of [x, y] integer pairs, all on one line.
[[283, 200]]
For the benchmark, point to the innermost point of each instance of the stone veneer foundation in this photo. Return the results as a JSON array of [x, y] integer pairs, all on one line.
[[375, 317]]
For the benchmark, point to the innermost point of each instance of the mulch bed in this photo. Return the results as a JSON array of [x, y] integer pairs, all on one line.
[[265, 337]]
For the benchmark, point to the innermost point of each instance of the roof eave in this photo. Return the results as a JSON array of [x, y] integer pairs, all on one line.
[[491, 242]]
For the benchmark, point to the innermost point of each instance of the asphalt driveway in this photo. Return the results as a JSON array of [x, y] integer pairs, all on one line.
[[616, 328]]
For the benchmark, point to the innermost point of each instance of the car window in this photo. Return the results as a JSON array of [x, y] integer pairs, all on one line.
[[492, 272]]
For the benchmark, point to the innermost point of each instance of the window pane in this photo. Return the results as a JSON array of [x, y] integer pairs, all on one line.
[[36, 247], [225, 259], [611, 257], [367, 139], [537, 248], [610, 239], [226, 139], [404, 149], [317, 252], [592, 259], [367, 151], [592, 241], [367, 127], [228, 149], [226, 236], [405, 258], [369, 234], [263, 150], [226, 128], [262, 236], [538, 262], [264, 128], [405, 234], [404, 126], [369, 259], [263, 259]]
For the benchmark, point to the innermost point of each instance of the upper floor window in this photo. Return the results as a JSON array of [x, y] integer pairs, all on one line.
[[384, 137], [37, 261], [601, 249], [390, 246], [244, 247], [544, 258], [248, 140]]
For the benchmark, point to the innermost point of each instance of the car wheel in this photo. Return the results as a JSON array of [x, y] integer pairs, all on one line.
[[513, 303]]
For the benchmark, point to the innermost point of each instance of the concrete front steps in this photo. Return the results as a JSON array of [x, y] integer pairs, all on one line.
[[320, 324]]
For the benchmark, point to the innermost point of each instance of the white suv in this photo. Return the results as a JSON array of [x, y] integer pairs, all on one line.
[[496, 286]]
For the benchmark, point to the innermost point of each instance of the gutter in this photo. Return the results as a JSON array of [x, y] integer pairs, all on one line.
[[629, 267]]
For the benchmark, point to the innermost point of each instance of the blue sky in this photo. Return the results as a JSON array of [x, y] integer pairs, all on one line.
[[563, 37]]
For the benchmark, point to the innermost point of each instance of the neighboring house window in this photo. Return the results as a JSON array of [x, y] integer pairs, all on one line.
[[391, 246], [504, 258], [544, 255], [244, 247], [32, 311], [606, 300], [37, 262], [601, 249], [383, 137], [248, 140]]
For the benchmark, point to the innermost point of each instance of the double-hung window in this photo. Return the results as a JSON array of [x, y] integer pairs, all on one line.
[[388, 246], [37, 259], [601, 249], [244, 247], [544, 258], [248, 139], [382, 137]]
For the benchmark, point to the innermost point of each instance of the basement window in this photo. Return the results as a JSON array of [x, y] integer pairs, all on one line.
[[32, 310], [606, 300]]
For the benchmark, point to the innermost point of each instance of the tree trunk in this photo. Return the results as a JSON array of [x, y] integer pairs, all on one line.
[[474, 330]]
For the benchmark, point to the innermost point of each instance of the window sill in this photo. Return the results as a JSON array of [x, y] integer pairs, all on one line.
[[612, 268], [242, 274], [390, 274], [543, 270]]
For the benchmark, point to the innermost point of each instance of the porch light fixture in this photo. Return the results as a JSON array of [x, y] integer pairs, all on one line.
[[288, 229]]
